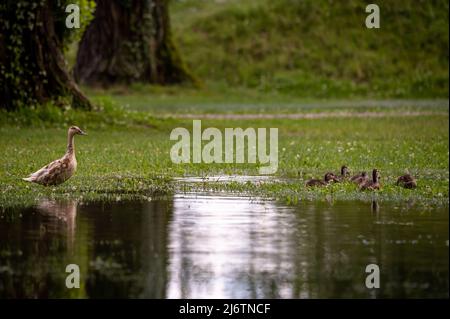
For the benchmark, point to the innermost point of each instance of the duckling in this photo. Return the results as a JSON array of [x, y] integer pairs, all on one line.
[[344, 173], [407, 181], [373, 184], [360, 178], [342, 177], [61, 169], [326, 180]]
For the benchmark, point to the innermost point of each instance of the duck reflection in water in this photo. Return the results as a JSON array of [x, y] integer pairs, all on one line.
[[375, 206], [59, 218]]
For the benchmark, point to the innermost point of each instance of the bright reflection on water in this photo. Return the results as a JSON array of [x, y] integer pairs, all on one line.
[[219, 246], [229, 247]]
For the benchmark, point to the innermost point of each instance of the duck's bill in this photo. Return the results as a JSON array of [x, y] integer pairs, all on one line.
[[83, 133]]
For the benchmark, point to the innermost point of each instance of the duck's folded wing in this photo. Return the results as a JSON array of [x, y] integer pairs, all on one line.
[[47, 170]]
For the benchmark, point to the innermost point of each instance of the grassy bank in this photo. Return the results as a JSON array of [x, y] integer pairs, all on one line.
[[127, 155], [316, 48], [174, 100]]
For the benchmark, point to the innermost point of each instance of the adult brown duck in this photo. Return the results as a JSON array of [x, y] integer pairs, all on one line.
[[372, 184], [62, 169], [407, 181]]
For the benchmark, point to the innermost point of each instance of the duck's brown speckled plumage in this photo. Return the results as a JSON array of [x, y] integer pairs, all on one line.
[[372, 184], [360, 179], [344, 173], [62, 169], [407, 181], [329, 177]]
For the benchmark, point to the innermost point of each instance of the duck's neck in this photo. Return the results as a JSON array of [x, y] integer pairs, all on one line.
[[375, 177], [70, 144]]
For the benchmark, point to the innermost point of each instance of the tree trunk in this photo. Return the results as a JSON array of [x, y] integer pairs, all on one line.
[[33, 69], [129, 41]]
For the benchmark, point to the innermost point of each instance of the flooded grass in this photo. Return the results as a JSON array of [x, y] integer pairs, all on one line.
[[133, 161]]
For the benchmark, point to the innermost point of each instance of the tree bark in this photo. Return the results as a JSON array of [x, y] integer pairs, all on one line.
[[129, 41], [33, 69]]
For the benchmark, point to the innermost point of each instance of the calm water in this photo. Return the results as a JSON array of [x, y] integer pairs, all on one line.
[[209, 246]]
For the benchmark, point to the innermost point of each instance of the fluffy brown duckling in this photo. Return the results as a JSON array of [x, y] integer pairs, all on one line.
[[407, 181], [344, 173], [62, 169], [329, 177], [372, 184], [342, 177], [361, 178]]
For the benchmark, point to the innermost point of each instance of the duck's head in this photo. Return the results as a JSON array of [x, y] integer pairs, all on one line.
[[330, 177], [344, 170], [75, 130]]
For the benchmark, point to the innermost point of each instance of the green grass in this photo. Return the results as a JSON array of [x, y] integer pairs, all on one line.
[[218, 100], [126, 154], [316, 48]]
